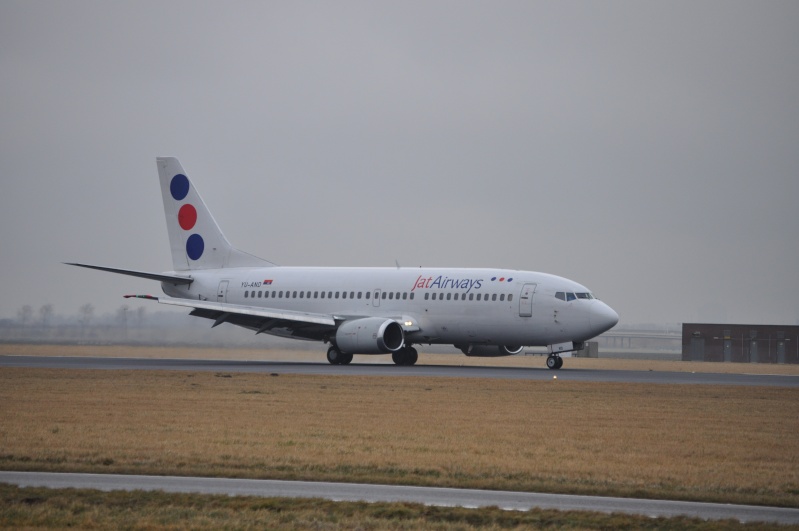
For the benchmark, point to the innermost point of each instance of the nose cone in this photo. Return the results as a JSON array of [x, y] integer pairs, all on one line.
[[602, 318]]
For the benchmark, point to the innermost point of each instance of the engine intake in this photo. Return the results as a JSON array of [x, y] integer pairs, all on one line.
[[370, 335]]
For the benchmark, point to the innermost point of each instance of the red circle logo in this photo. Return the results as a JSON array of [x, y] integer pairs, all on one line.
[[187, 217]]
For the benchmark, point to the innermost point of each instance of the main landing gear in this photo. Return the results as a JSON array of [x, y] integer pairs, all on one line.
[[554, 362], [336, 357], [405, 356]]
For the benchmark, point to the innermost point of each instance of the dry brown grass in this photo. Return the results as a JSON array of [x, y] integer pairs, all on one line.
[[317, 354], [736, 444], [35, 508]]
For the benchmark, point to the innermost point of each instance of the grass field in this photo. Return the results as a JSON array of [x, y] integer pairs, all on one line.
[[85, 509], [726, 444]]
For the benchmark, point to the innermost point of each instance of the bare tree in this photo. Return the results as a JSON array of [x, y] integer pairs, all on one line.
[[86, 314], [24, 315], [140, 314], [122, 319], [46, 315]]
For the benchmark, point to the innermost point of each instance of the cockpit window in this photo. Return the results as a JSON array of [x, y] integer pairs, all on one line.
[[570, 296], [584, 296], [560, 295]]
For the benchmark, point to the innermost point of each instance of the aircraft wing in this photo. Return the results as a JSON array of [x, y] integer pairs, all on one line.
[[262, 320]]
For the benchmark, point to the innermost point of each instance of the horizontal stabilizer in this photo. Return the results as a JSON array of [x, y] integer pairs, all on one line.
[[172, 279]]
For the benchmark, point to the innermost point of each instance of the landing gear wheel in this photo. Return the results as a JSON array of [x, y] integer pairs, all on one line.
[[554, 362], [334, 356], [346, 359], [405, 356]]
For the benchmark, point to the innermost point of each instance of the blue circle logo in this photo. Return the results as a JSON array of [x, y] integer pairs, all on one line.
[[195, 246], [179, 187]]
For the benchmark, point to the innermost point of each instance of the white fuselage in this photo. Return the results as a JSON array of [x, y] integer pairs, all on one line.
[[457, 306]]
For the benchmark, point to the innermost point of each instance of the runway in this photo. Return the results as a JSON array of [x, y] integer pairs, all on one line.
[[365, 369], [470, 498]]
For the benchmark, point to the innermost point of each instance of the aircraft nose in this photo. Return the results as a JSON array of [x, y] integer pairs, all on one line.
[[602, 317]]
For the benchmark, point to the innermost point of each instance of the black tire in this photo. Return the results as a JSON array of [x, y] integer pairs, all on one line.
[[412, 356], [560, 363], [334, 356], [398, 357], [345, 359], [552, 362]]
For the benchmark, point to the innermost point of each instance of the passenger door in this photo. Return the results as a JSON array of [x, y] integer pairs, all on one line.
[[526, 300]]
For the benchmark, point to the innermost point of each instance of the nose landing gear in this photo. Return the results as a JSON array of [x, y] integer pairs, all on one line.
[[554, 362]]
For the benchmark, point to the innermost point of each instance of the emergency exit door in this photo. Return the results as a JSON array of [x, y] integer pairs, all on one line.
[[221, 294]]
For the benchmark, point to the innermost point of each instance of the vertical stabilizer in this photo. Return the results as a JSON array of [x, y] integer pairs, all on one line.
[[194, 237]]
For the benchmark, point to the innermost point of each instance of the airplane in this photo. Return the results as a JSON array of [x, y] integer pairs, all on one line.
[[482, 312]]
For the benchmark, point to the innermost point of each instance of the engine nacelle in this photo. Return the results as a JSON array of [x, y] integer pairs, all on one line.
[[370, 335], [490, 351]]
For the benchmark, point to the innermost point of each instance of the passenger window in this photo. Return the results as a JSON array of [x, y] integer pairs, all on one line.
[[425, 295], [352, 294], [302, 293], [323, 294], [390, 295], [510, 298], [315, 294], [398, 295], [570, 297], [411, 296], [343, 294], [329, 294], [383, 296], [367, 295], [471, 296], [337, 294], [502, 297], [359, 294], [560, 295], [449, 295], [404, 296], [246, 294], [252, 294], [434, 296], [494, 297], [259, 294]]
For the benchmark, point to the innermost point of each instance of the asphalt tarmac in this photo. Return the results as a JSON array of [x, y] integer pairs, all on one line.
[[382, 369], [470, 498]]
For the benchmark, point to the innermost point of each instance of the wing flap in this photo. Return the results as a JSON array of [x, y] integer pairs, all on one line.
[[252, 311]]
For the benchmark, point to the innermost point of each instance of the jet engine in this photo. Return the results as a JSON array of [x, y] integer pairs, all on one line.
[[489, 351], [370, 335]]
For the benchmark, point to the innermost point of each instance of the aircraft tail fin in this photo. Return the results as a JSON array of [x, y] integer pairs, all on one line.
[[195, 239]]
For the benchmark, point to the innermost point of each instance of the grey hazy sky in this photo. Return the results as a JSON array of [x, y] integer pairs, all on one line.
[[649, 150]]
